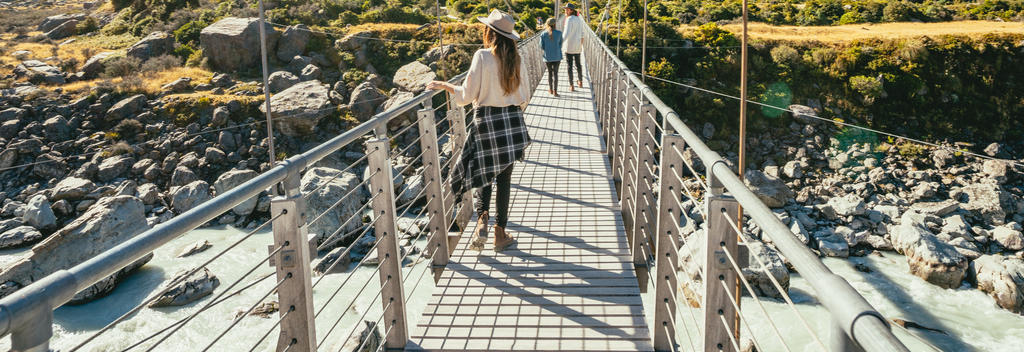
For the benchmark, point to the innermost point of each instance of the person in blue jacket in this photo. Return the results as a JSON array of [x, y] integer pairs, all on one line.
[[551, 42]]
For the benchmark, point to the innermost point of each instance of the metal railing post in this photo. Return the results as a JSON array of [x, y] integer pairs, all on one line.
[[717, 268], [386, 230], [629, 161], [614, 119], [295, 296], [643, 197], [667, 258], [457, 119], [437, 246]]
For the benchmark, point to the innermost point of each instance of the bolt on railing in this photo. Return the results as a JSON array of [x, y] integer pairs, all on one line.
[[646, 141]]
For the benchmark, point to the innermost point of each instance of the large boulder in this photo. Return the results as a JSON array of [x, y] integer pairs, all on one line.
[[107, 285], [232, 179], [293, 42], [153, 45], [929, 257], [1007, 236], [96, 65], [189, 196], [1002, 277], [72, 188], [63, 30], [126, 108], [109, 222], [330, 263], [758, 275], [186, 290], [771, 190], [39, 214], [281, 80], [438, 53], [413, 77], [298, 109], [114, 167], [19, 236], [394, 101], [986, 201], [328, 189], [39, 72], [364, 101], [233, 43], [49, 23]]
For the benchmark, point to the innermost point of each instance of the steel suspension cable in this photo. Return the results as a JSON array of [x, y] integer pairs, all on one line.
[[254, 305], [276, 324]]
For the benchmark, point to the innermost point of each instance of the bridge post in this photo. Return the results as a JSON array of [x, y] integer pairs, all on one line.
[[437, 246], [643, 198], [667, 257], [457, 119], [295, 296], [717, 270], [615, 118], [386, 229], [630, 120]]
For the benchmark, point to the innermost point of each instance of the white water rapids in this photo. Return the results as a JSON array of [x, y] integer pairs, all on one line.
[[971, 318]]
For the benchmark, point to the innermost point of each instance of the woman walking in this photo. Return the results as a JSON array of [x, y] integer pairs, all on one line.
[[572, 43], [496, 85], [551, 43]]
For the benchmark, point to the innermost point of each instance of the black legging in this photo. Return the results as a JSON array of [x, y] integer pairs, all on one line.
[[579, 68], [483, 197], [553, 75]]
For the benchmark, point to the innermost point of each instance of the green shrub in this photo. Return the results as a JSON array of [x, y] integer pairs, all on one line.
[[869, 87], [785, 55], [852, 17], [898, 11], [88, 25], [128, 129], [160, 63], [189, 32], [820, 12]]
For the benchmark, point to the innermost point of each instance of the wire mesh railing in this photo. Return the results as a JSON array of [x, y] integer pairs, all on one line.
[[386, 205], [687, 240]]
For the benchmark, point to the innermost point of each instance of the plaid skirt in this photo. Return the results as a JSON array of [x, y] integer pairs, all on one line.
[[497, 138]]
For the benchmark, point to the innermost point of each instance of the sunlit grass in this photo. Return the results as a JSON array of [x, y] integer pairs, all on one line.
[[877, 31], [150, 82]]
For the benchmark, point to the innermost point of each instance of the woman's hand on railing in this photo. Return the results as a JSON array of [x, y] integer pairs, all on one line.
[[439, 85]]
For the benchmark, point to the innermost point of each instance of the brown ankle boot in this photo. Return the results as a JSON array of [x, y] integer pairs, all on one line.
[[502, 240], [480, 233]]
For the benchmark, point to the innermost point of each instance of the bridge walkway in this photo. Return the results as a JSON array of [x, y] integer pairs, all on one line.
[[569, 284]]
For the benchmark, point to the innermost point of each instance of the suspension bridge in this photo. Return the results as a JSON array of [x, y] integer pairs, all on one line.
[[597, 208]]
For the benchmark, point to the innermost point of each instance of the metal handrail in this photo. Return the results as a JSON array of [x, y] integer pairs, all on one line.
[[857, 318], [27, 313]]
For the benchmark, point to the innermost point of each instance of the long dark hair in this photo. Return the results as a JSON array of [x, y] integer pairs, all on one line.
[[505, 51]]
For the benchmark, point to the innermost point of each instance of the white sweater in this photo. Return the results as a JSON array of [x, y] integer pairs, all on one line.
[[482, 86]]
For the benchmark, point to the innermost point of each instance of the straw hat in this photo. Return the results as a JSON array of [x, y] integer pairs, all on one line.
[[570, 6], [502, 23]]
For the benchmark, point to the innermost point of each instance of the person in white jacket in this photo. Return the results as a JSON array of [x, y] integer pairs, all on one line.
[[572, 43]]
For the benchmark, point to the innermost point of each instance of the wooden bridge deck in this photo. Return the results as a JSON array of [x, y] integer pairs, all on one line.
[[569, 284]]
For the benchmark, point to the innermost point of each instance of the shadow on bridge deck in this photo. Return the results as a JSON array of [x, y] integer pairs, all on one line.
[[569, 284]]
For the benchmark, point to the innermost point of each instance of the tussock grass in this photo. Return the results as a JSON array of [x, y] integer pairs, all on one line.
[[150, 82], [867, 31]]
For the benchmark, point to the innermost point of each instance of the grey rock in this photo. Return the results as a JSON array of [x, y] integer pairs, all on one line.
[[96, 65], [793, 169], [848, 205], [413, 77], [10, 224], [411, 190], [438, 53], [293, 42], [57, 129], [63, 30], [72, 188], [956, 226], [148, 193], [1008, 237], [126, 108], [318, 202], [993, 149], [281, 80], [833, 246], [39, 72], [770, 190], [186, 197], [50, 166], [107, 285], [39, 214], [327, 264], [52, 22], [310, 73], [12, 114], [109, 222], [929, 258], [195, 248], [942, 157], [995, 169], [940, 208], [214, 155], [364, 101], [234, 43], [757, 275], [232, 179], [153, 45], [708, 131], [19, 237], [177, 86], [183, 176], [1002, 277], [186, 289], [8, 157], [114, 167], [985, 201], [221, 115], [298, 109]]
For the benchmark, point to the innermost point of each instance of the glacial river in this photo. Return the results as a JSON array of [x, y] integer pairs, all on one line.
[[970, 318]]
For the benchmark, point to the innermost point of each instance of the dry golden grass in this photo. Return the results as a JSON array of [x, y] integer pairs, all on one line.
[[151, 82], [877, 31], [215, 99], [382, 28]]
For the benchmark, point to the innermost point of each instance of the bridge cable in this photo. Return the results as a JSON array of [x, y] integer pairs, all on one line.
[[251, 308], [272, 327], [845, 124]]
